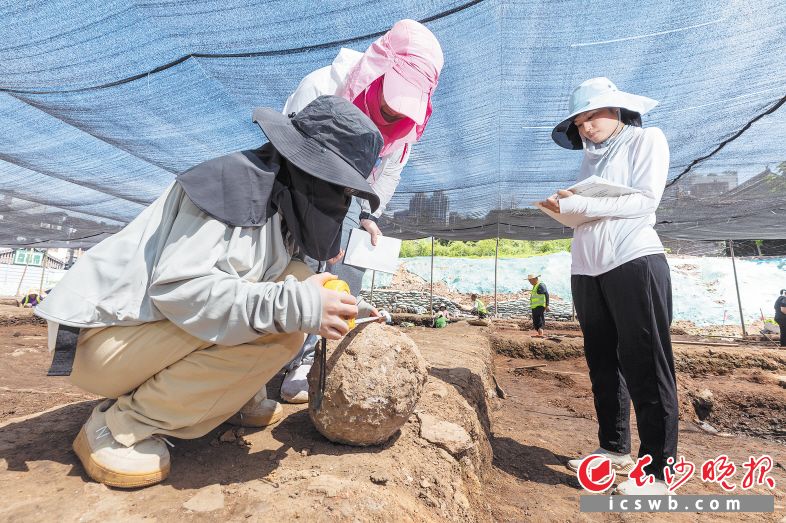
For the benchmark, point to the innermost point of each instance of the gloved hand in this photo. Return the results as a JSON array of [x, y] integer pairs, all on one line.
[[366, 310]]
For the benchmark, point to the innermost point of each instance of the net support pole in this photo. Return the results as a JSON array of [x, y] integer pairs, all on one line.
[[737, 286], [496, 260], [431, 281], [371, 294], [43, 271]]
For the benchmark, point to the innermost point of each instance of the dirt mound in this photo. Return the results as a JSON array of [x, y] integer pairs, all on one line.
[[525, 324], [550, 348], [563, 379], [700, 361], [690, 328], [422, 320], [762, 414], [12, 315]]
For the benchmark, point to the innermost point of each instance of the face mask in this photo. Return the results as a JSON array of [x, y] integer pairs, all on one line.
[[370, 102], [313, 211]]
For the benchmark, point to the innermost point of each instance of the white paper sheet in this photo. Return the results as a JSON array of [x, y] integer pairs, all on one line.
[[597, 187], [383, 257]]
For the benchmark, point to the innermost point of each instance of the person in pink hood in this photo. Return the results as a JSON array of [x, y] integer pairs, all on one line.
[[392, 82]]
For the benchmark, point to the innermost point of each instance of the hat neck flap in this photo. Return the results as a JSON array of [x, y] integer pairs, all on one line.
[[234, 189]]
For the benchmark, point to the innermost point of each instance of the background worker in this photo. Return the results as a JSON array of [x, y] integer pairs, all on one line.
[[441, 318], [478, 307], [780, 315], [538, 302], [32, 299]]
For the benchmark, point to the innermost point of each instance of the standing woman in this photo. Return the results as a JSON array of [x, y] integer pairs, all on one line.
[[620, 279], [392, 83]]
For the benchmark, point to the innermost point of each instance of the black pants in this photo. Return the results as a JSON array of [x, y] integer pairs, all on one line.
[[625, 316], [539, 317], [782, 324]]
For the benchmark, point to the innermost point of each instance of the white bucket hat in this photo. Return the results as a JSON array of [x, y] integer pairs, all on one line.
[[592, 94]]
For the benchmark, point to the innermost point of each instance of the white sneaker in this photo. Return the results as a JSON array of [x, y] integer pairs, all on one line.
[[294, 388], [622, 464], [111, 463], [629, 488], [258, 412]]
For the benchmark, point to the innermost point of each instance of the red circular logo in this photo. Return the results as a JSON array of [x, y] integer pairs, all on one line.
[[593, 473]]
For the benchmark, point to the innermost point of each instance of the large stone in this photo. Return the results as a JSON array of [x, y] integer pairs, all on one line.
[[375, 376], [445, 434], [702, 403]]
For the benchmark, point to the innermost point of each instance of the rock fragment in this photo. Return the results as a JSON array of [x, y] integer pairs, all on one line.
[[444, 434], [207, 499]]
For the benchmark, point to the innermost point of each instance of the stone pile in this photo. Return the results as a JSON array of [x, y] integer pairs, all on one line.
[[558, 310], [414, 302]]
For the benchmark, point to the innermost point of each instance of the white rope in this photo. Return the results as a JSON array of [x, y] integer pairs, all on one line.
[[659, 33]]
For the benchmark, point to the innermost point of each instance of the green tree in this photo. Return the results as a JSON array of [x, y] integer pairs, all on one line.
[[482, 248]]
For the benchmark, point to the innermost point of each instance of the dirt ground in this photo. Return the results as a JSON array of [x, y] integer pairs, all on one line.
[[514, 472], [548, 417]]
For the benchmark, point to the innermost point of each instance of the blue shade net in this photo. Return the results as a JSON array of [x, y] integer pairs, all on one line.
[[103, 103]]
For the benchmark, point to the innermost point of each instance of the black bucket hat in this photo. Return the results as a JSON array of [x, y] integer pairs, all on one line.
[[330, 139]]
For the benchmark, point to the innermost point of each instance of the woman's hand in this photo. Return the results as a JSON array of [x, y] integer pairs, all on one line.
[[337, 258], [552, 202], [337, 307], [373, 229]]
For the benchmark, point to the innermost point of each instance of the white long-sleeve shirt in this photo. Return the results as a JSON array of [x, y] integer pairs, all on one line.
[[330, 80], [625, 230]]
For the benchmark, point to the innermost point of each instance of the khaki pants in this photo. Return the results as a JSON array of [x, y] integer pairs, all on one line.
[[169, 382]]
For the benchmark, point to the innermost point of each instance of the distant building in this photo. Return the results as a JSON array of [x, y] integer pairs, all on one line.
[[708, 185], [759, 188], [431, 210], [31, 257]]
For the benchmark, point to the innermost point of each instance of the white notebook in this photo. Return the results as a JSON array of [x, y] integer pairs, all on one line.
[[592, 187], [382, 257]]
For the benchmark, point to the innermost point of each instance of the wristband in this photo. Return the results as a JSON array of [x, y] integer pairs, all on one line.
[[368, 216]]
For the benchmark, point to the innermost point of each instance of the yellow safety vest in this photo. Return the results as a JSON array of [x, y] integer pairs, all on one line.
[[480, 307], [535, 299]]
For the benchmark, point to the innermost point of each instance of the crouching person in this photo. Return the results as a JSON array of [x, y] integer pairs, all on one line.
[[182, 316]]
